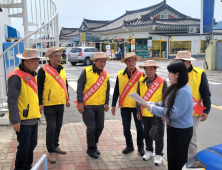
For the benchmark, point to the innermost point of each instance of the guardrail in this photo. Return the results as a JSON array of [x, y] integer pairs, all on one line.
[[43, 160]]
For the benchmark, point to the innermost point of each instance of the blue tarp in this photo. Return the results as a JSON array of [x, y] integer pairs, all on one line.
[[11, 32], [10, 59]]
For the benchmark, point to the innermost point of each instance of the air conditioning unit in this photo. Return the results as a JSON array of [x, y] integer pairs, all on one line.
[[192, 30]]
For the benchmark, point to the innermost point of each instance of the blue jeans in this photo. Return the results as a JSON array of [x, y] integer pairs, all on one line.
[[27, 139], [126, 114], [119, 56]]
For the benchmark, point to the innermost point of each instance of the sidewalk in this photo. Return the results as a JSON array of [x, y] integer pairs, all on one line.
[[73, 140]]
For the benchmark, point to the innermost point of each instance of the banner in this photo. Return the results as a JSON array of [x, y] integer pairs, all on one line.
[[208, 16]]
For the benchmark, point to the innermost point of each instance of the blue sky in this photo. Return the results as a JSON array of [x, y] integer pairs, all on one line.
[[72, 12]]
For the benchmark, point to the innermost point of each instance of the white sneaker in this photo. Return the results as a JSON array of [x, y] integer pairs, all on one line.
[[148, 155], [158, 160]]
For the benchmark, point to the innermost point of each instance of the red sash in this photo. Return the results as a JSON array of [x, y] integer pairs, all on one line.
[[197, 107], [132, 81], [56, 77], [92, 90], [27, 78], [152, 89]]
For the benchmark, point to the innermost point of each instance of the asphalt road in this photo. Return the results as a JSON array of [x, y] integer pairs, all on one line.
[[209, 132]]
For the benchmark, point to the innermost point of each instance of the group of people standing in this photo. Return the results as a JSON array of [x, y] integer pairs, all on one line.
[[179, 105]]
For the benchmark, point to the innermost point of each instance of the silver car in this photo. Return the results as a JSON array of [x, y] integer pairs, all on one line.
[[81, 55]]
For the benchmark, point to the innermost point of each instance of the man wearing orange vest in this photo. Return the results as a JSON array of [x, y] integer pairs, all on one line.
[[23, 107], [151, 88], [127, 83], [201, 94], [53, 94], [93, 99]]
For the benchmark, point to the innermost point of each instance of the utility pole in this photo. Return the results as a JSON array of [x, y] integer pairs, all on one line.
[[25, 21]]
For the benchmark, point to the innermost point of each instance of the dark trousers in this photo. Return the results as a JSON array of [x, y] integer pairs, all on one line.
[[177, 146], [54, 118], [147, 123], [27, 139], [126, 114], [119, 56], [93, 117]]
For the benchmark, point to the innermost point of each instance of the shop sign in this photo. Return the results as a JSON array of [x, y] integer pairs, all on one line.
[[76, 38], [149, 47], [171, 38], [130, 36], [156, 38], [83, 36], [133, 45], [120, 39]]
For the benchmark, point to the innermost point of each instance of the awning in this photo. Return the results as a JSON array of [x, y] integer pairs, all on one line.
[[11, 32]]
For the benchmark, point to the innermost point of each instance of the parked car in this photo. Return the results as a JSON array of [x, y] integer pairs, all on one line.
[[81, 55], [207, 159]]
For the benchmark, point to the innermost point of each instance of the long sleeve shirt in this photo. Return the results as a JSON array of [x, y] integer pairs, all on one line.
[[14, 88], [204, 91], [181, 115], [41, 80], [82, 83], [138, 107]]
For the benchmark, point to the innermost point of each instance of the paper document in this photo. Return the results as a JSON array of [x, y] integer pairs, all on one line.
[[137, 98]]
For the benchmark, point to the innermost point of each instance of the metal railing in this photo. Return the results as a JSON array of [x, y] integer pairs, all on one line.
[[44, 15], [43, 160]]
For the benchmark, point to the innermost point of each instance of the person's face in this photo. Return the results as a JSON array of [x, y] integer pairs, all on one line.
[[32, 64], [131, 63], [100, 63], [173, 77], [55, 58], [187, 63], [150, 72]]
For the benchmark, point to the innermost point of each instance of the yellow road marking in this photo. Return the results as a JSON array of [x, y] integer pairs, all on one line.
[[217, 107]]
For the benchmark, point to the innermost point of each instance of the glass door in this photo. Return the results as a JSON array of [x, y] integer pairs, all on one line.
[[163, 51]]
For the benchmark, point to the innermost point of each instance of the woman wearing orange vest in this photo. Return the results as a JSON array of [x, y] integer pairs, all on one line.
[[53, 95], [201, 93], [23, 105], [145, 86]]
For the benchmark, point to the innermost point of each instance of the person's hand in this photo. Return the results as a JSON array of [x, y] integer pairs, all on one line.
[[204, 117], [139, 116], [141, 105], [113, 111], [106, 107], [163, 120], [16, 127], [148, 106], [81, 108], [67, 103], [41, 108]]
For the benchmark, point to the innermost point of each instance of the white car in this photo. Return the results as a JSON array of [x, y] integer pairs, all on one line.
[[81, 55]]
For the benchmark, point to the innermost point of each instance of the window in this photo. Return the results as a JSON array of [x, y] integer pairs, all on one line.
[[95, 50], [164, 16], [179, 46], [202, 46], [90, 49], [76, 50], [86, 50]]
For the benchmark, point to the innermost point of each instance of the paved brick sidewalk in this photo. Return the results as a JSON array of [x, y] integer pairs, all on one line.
[[73, 140]]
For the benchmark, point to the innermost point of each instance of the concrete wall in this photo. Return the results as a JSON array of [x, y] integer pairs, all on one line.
[[211, 55]]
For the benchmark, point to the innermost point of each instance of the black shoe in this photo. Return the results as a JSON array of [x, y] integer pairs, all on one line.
[[127, 150], [97, 151], [141, 151], [92, 153]]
